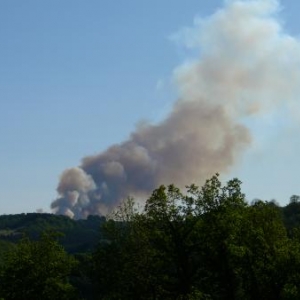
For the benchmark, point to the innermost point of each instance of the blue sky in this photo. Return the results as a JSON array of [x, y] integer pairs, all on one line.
[[77, 76]]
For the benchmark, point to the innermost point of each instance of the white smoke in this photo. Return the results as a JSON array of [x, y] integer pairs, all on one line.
[[246, 65]]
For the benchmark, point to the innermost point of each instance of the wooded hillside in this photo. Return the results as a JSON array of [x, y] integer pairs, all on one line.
[[204, 243]]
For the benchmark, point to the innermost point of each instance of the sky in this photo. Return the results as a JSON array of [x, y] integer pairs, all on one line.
[[79, 76]]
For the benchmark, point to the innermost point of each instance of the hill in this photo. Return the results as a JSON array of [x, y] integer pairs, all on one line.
[[78, 235]]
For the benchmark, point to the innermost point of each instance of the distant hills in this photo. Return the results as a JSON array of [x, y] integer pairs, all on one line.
[[81, 236], [78, 236]]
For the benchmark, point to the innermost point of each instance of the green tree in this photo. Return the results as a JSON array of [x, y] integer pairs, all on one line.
[[265, 250], [220, 209], [37, 270], [207, 243], [121, 262], [164, 252]]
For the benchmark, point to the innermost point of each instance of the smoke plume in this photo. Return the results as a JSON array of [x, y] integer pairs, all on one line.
[[245, 65]]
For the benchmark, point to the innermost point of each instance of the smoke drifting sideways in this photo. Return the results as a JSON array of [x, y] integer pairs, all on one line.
[[246, 66]]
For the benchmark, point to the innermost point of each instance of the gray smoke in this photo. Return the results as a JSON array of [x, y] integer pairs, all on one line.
[[246, 65]]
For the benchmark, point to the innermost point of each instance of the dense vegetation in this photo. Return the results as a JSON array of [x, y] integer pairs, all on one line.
[[78, 236], [208, 243]]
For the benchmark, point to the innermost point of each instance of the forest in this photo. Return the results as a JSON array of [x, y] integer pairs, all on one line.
[[201, 243]]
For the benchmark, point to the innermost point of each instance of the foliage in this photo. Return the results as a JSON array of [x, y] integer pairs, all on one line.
[[78, 235], [203, 243], [37, 270]]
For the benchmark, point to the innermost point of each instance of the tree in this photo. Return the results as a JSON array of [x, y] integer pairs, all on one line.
[[163, 252], [206, 243], [121, 263], [37, 270], [264, 245], [294, 199], [221, 210]]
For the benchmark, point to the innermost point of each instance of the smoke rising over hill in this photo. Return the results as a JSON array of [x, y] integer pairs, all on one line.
[[246, 65]]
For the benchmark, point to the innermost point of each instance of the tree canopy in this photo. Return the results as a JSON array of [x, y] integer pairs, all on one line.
[[37, 270], [205, 243]]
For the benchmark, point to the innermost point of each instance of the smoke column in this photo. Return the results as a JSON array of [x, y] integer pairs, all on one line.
[[245, 66]]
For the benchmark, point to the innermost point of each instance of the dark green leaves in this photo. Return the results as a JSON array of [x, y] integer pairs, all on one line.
[[37, 270]]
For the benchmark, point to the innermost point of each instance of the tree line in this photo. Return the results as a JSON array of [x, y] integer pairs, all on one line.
[[204, 243]]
